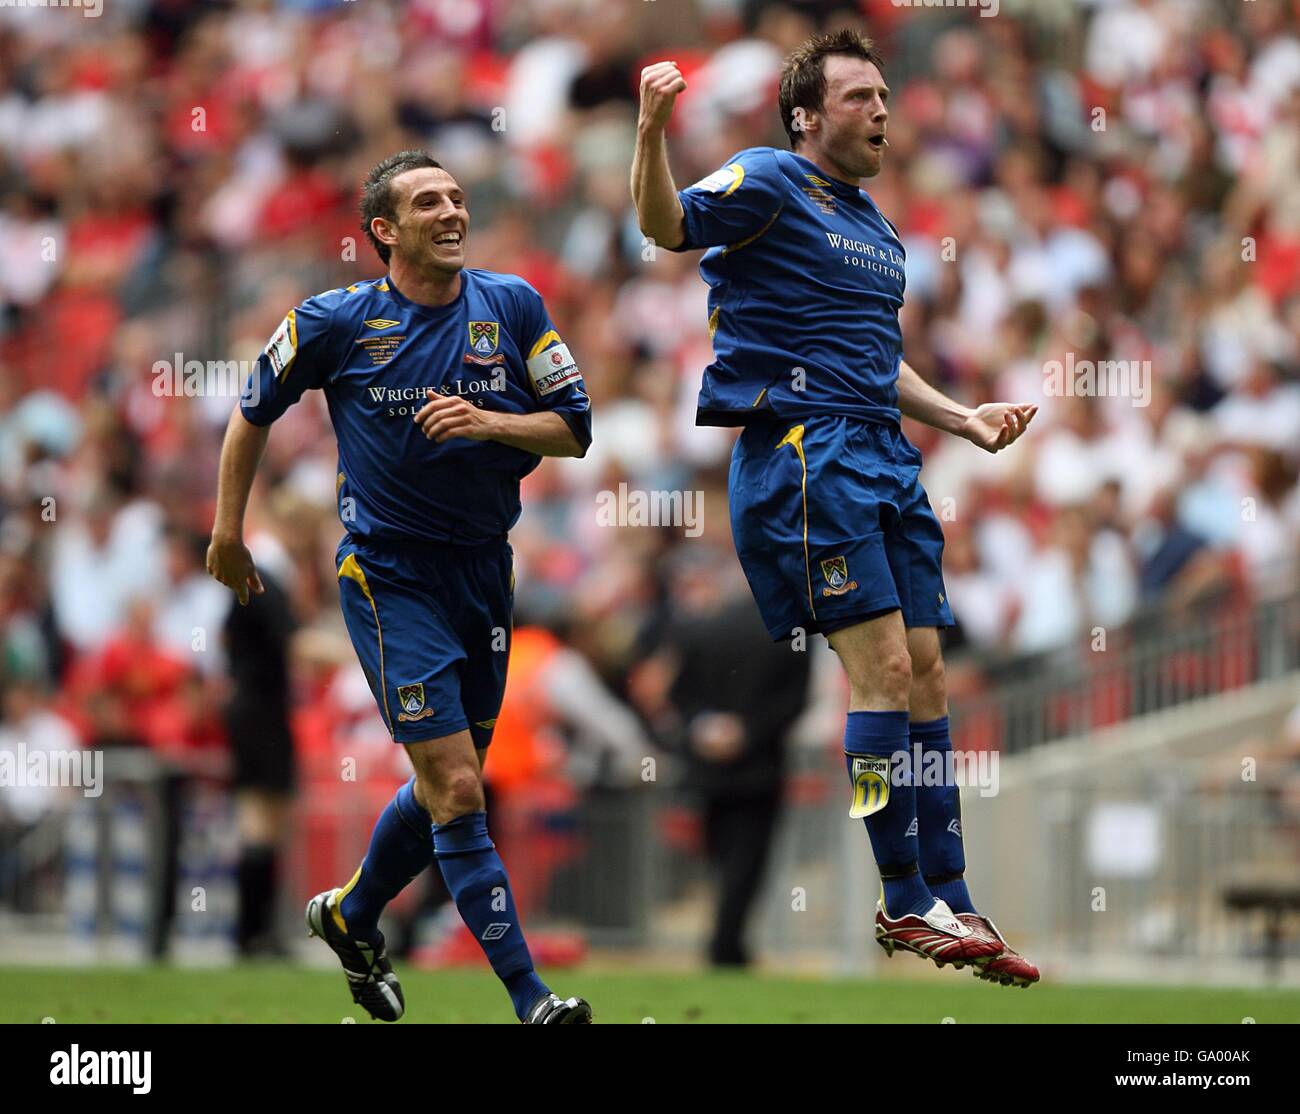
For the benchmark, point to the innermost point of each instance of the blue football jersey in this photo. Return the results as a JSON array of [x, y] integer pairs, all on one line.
[[805, 283], [375, 353]]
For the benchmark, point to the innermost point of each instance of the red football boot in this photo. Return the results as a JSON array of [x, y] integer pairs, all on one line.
[[1009, 967], [937, 935]]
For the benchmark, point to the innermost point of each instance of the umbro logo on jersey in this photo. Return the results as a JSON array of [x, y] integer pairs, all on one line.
[[380, 323]]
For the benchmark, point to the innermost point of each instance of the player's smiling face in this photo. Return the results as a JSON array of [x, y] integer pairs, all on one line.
[[853, 120], [432, 220]]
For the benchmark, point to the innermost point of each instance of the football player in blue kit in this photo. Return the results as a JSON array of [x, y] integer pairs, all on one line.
[[446, 386], [831, 524]]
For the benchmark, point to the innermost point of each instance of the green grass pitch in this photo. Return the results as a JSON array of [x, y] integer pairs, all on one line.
[[287, 994]]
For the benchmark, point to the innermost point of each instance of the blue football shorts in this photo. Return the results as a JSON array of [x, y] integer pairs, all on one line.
[[833, 527]]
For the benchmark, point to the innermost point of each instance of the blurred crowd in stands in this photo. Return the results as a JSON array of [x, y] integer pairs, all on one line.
[[1115, 180]]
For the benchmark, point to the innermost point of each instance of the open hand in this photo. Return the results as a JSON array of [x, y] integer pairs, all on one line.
[[230, 562], [995, 425]]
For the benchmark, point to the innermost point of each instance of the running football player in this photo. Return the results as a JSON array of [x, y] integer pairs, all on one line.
[[446, 386]]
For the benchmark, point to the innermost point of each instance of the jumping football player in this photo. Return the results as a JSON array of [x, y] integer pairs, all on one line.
[[829, 518], [445, 386]]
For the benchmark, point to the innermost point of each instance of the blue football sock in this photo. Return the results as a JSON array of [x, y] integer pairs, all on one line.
[[476, 879], [938, 811], [893, 829], [400, 848]]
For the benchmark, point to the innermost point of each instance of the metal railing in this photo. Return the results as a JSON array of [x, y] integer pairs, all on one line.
[[1205, 840], [1161, 660]]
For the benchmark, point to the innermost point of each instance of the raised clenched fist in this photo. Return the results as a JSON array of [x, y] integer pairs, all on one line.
[[660, 85]]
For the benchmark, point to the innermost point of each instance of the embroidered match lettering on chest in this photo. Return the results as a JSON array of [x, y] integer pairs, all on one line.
[[380, 349]]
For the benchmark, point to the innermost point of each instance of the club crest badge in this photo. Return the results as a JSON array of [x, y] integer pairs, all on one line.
[[411, 699], [484, 336], [836, 572]]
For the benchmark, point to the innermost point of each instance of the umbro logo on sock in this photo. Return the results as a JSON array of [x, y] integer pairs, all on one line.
[[911, 828], [495, 930], [954, 826]]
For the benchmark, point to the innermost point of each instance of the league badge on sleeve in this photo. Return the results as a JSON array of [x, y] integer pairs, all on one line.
[[283, 346], [723, 181], [553, 368]]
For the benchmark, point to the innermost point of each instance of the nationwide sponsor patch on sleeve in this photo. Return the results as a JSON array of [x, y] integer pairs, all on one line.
[[552, 368], [283, 345], [721, 181]]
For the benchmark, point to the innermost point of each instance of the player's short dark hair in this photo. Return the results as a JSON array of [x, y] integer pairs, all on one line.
[[377, 198], [803, 75]]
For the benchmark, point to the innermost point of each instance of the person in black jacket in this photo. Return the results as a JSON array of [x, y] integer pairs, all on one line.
[[732, 695], [257, 718]]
